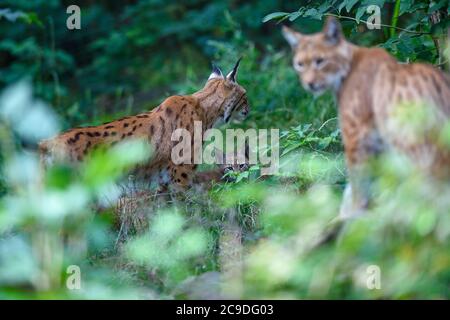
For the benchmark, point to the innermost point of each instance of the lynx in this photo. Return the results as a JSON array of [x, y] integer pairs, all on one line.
[[222, 173], [373, 90], [220, 99]]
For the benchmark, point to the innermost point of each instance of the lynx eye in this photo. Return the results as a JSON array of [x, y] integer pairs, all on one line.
[[319, 61], [299, 66]]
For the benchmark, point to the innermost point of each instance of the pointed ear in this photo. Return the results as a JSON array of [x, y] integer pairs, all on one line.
[[219, 155], [291, 36], [216, 73], [332, 30], [233, 73]]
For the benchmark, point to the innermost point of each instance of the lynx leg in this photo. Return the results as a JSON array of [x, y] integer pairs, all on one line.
[[359, 152], [355, 201]]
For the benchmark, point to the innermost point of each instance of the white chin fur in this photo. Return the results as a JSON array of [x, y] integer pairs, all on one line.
[[318, 93], [335, 82]]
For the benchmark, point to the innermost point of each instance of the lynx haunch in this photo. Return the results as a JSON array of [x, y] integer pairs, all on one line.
[[220, 99], [373, 91]]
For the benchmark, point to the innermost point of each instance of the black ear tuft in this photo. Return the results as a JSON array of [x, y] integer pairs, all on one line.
[[232, 75], [216, 69]]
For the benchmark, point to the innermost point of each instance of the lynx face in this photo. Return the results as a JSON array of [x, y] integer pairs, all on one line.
[[322, 60], [224, 172], [235, 166], [233, 95]]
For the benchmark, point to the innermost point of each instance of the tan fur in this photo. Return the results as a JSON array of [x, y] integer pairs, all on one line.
[[373, 91], [220, 97]]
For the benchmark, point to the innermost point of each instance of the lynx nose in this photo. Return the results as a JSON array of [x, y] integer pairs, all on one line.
[[312, 86]]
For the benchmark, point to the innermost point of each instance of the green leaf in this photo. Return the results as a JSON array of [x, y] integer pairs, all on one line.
[[313, 13], [241, 176], [294, 15], [324, 7], [11, 15], [360, 12], [350, 5], [379, 3], [32, 18], [437, 6], [275, 15], [441, 27]]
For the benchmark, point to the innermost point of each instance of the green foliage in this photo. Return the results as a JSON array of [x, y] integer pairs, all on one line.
[[406, 241], [127, 58], [412, 31]]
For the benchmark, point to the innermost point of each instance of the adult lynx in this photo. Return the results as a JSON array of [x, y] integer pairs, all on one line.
[[382, 104], [220, 99]]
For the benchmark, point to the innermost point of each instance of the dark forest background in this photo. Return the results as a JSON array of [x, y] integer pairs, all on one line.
[[127, 58]]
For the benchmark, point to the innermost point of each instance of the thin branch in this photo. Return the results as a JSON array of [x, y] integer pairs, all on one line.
[[443, 63], [381, 25], [395, 17], [326, 122]]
